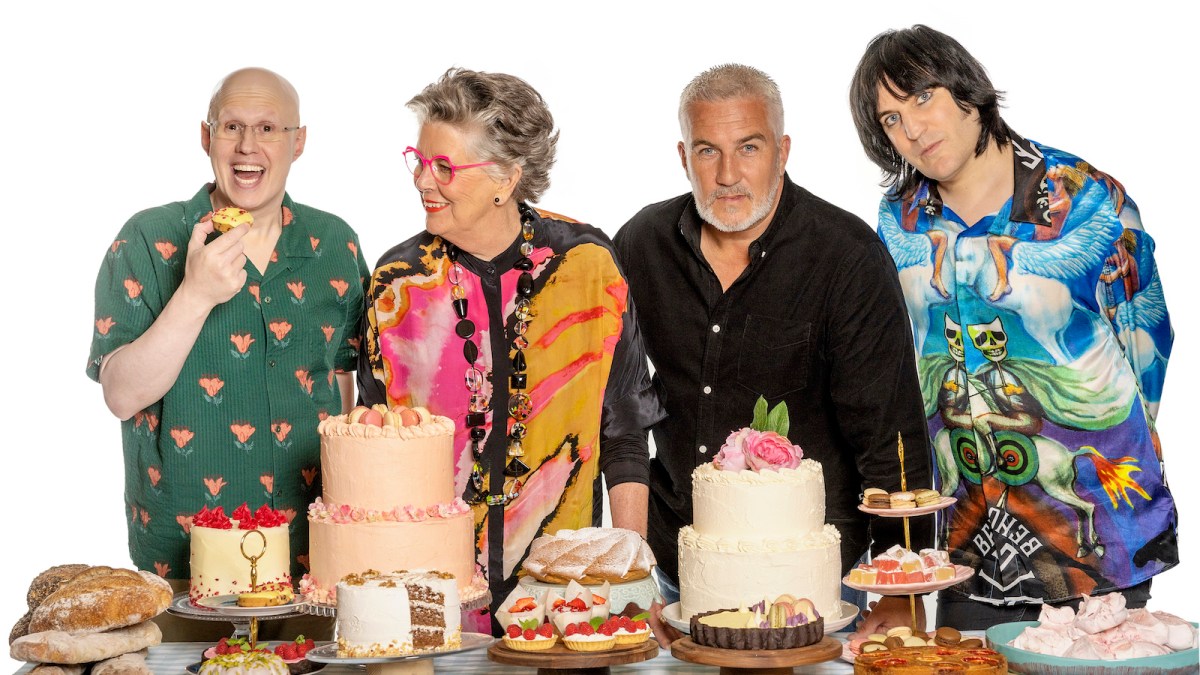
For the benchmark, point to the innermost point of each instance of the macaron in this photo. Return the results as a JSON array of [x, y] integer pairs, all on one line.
[[903, 500], [925, 496], [947, 636], [876, 498]]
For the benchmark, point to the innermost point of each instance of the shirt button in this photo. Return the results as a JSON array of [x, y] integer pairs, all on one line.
[[271, 363], [491, 270], [703, 449], [707, 389], [716, 329], [267, 300]]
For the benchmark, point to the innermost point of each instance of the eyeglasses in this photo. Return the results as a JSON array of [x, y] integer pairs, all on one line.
[[265, 132], [439, 166]]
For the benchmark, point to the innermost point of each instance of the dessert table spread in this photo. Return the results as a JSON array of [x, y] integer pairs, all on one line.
[[172, 658]]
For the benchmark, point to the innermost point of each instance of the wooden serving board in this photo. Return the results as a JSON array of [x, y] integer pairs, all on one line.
[[558, 660], [763, 661]]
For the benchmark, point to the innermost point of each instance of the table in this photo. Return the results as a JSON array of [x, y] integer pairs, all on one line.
[[171, 658]]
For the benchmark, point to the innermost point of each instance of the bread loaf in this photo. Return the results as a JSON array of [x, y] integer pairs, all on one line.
[[133, 663], [57, 669], [100, 599], [50, 580], [60, 647], [21, 627]]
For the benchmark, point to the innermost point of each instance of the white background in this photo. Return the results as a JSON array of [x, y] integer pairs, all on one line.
[[102, 103]]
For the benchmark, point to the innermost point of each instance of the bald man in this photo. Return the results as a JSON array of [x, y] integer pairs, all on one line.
[[220, 353]]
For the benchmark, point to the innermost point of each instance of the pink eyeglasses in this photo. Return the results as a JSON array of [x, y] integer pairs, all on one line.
[[443, 170]]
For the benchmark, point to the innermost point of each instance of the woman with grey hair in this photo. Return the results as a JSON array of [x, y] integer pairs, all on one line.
[[514, 322]]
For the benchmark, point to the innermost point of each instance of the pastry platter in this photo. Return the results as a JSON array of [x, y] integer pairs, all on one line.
[[227, 605], [847, 613], [961, 573], [915, 511], [562, 659]]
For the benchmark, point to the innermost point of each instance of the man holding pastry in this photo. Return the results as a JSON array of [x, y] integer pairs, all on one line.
[[221, 339]]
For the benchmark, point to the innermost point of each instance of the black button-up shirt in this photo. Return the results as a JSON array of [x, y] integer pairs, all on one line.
[[817, 320]]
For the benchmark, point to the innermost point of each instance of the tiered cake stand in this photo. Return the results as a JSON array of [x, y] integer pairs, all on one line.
[[961, 572], [225, 607]]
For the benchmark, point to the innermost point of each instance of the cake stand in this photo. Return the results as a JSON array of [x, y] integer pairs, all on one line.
[[961, 572], [225, 608], [756, 661], [559, 660], [415, 664]]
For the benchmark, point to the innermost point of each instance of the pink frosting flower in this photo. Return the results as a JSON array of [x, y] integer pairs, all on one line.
[[732, 456], [769, 450]]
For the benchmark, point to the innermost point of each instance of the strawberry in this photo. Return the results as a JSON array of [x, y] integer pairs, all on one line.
[[514, 631], [523, 605], [558, 602], [545, 630], [597, 600], [529, 634], [577, 605]]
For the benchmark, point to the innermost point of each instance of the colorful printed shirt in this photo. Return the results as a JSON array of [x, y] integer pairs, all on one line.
[[1043, 338], [587, 376], [240, 423]]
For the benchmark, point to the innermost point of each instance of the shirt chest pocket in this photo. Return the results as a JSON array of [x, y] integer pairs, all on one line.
[[774, 355]]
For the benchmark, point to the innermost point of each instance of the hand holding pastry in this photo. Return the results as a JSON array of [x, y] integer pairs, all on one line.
[[215, 271]]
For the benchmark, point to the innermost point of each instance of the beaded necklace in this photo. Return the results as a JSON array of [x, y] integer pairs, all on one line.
[[520, 405]]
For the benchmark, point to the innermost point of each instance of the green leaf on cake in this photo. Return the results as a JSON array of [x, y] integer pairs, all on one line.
[[596, 622], [529, 623], [776, 420], [644, 616], [760, 415]]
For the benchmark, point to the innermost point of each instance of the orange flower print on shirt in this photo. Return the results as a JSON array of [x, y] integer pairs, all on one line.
[[254, 290], [315, 242], [328, 331], [305, 380], [162, 569], [280, 328], [182, 436], [145, 517], [287, 216], [115, 246], [243, 431], [321, 415], [242, 342], [212, 388], [214, 485], [297, 289], [289, 514], [133, 289], [353, 247], [166, 249], [151, 422], [330, 379], [309, 474], [104, 325], [268, 482], [185, 522], [155, 475], [280, 429], [275, 256], [340, 286]]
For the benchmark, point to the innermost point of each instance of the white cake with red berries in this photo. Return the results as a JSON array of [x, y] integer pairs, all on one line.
[[221, 548]]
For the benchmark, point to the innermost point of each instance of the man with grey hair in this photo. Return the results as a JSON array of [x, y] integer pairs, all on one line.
[[751, 286], [220, 353]]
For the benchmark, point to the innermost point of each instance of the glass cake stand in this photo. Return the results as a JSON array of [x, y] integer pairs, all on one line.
[[415, 664], [181, 605]]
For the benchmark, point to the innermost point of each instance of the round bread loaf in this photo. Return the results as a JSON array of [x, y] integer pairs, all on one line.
[[102, 600], [50, 580]]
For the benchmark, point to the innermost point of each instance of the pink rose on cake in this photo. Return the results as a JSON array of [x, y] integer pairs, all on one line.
[[769, 450], [761, 446]]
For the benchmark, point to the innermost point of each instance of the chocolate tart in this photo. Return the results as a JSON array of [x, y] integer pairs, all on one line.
[[791, 637]]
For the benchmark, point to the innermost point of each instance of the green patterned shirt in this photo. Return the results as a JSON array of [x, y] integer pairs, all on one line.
[[240, 423]]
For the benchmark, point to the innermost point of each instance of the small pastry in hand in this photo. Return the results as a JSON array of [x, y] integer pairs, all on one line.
[[226, 219]]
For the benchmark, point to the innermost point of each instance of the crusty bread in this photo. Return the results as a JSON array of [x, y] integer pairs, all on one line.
[[50, 580], [58, 669], [133, 663], [97, 600], [21, 627], [59, 647]]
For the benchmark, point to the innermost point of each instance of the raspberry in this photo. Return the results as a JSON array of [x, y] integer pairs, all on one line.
[[514, 631], [605, 630], [639, 624], [529, 634], [545, 630], [571, 629], [586, 628]]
